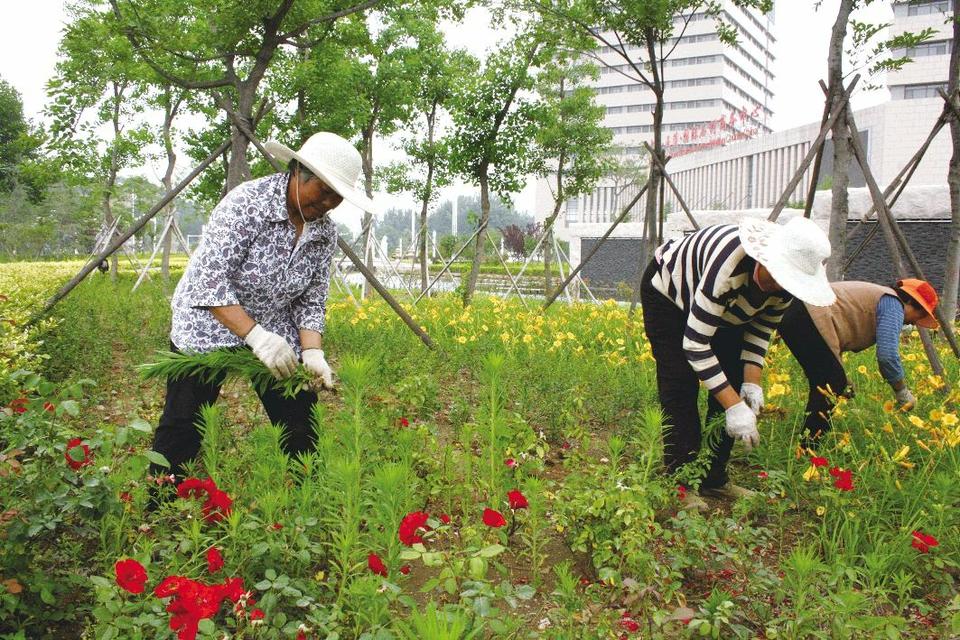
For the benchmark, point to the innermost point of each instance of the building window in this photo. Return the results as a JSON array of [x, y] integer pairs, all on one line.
[[938, 48], [927, 8], [573, 208], [918, 91]]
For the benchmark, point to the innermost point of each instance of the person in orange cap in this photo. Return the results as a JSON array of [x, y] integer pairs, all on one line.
[[863, 315]]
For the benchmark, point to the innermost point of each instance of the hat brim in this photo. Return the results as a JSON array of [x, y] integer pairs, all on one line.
[[350, 193], [928, 322], [763, 241]]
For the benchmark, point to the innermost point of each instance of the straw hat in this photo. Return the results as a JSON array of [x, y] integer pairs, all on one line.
[[333, 160], [794, 254], [926, 296]]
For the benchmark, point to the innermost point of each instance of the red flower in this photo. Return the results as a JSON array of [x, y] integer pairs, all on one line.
[[48, 406], [566, 445], [276, 526], [510, 462], [763, 475], [301, 635], [76, 464], [131, 576], [18, 405], [404, 423], [493, 518], [681, 492], [628, 623], [444, 518], [218, 503], [923, 541], [256, 614], [818, 461], [193, 601], [844, 479], [125, 496], [405, 569], [517, 500], [375, 564], [214, 560], [410, 525]]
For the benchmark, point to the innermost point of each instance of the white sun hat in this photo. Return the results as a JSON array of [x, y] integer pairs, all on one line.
[[332, 159], [794, 254]]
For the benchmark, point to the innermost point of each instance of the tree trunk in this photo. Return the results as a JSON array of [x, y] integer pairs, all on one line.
[[366, 155], [840, 208], [559, 199], [172, 106], [650, 208], [238, 170], [427, 196], [111, 181], [479, 244], [951, 282]]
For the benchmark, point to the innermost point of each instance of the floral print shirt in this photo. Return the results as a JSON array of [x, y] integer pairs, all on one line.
[[249, 255]]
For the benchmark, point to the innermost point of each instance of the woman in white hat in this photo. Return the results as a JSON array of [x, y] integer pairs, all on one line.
[[260, 277], [710, 303]]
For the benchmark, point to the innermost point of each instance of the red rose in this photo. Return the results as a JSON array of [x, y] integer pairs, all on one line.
[[301, 635], [844, 479], [214, 560], [76, 464], [404, 422], [517, 500], [410, 525], [256, 614], [818, 461], [131, 576], [923, 541], [125, 496], [18, 405], [493, 518], [405, 569], [217, 506], [763, 475], [681, 492], [276, 526], [444, 518], [48, 406], [629, 623], [510, 462], [375, 564]]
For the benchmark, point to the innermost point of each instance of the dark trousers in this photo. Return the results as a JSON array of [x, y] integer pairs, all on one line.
[[678, 385], [819, 364], [178, 438]]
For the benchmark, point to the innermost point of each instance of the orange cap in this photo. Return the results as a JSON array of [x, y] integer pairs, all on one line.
[[926, 296]]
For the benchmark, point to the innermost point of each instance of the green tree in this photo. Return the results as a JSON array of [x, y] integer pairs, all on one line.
[[226, 49], [426, 169], [98, 85], [573, 139], [13, 131], [652, 28], [494, 119]]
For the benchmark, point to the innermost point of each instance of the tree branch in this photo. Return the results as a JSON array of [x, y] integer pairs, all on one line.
[[330, 17]]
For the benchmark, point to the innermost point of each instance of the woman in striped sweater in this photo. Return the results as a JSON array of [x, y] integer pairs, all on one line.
[[710, 302]]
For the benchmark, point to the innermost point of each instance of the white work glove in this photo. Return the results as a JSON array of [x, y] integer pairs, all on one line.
[[317, 365], [273, 351], [905, 399], [752, 394], [742, 425]]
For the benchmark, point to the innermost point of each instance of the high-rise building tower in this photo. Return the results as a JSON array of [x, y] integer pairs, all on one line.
[[928, 71]]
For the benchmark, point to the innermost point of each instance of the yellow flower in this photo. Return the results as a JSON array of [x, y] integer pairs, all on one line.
[[916, 421], [910, 357], [821, 510], [936, 415], [888, 428], [844, 440], [527, 338], [776, 390], [902, 453], [949, 419], [862, 369], [888, 406], [811, 474]]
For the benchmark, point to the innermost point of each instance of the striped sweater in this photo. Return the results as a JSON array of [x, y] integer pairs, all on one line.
[[710, 277]]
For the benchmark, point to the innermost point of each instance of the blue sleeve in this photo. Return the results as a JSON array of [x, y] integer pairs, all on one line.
[[889, 325]]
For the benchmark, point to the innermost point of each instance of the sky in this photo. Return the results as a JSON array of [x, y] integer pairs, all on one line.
[[30, 32]]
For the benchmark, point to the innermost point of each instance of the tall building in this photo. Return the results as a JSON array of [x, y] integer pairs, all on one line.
[[714, 92], [928, 72]]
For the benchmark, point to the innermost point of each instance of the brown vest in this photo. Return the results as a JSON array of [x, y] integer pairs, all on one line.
[[850, 324]]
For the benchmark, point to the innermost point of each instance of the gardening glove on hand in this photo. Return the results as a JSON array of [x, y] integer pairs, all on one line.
[[752, 394], [905, 399], [317, 365], [273, 351], [742, 425]]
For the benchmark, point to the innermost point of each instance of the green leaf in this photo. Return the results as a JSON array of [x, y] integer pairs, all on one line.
[[206, 626], [71, 407], [409, 554], [263, 585], [525, 592], [491, 551], [139, 424], [157, 458], [270, 574]]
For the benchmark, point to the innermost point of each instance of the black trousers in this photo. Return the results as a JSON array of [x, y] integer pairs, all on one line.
[[178, 438], [678, 385], [819, 364]]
